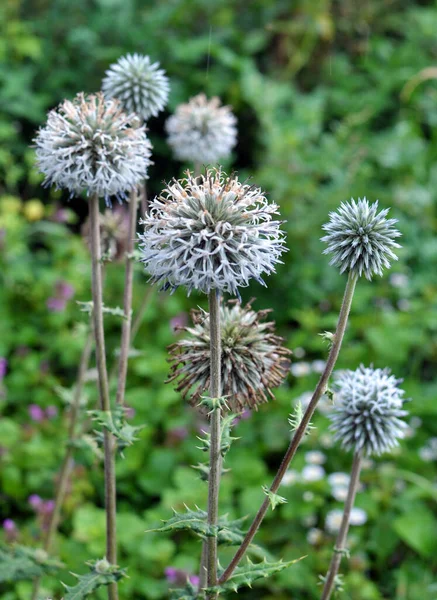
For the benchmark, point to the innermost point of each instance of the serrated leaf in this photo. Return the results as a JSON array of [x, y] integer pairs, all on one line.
[[189, 592], [19, 562], [274, 499], [115, 422], [116, 311], [295, 419], [244, 576], [102, 573]]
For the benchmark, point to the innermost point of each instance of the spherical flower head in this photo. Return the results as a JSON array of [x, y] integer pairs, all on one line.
[[90, 145], [210, 232], [368, 410], [253, 359], [140, 85], [114, 227], [202, 130], [360, 238]]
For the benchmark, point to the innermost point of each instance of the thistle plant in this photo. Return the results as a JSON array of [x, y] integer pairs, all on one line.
[[140, 85], [366, 420], [253, 358], [202, 131], [212, 234], [355, 231]]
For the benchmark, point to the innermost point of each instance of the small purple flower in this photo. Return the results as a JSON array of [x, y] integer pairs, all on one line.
[[47, 507], [195, 580], [64, 290], [130, 412], [36, 413], [35, 501], [3, 367], [61, 216], [9, 525], [179, 576], [178, 322], [51, 412], [171, 574], [55, 304]]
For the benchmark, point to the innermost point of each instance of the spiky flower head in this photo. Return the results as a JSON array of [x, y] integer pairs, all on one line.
[[202, 130], [368, 410], [140, 85], [90, 145], [360, 238], [114, 229], [253, 359], [210, 232]]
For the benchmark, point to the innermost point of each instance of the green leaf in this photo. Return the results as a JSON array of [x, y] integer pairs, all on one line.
[[274, 499], [417, 529], [115, 422], [102, 573], [20, 562], [189, 592], [295, 419]]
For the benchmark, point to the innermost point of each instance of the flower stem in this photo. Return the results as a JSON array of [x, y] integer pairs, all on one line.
[[127, 300], [65, 470], [340, 544], [144, 199], [300, 431], [105, 405], [215, 455]]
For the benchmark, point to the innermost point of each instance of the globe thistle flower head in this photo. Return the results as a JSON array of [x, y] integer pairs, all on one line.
[[114, 229], [360, 238], [90, 145], [210, 232], [253, 359], [202, 130], [368, 410], [140, 85]]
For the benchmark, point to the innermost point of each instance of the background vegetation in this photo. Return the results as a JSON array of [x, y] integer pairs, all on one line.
[[332, 102]]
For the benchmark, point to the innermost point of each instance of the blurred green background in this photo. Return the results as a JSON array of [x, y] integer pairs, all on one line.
[[334, 99]]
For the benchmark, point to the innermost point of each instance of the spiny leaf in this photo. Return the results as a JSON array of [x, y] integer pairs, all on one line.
[[225, 436], [295, 419], [115, 311], [115, 422], [102, 573], [250, 572], [203, 469], [19, 562], [226, 532], [274, 499], [189, 592]]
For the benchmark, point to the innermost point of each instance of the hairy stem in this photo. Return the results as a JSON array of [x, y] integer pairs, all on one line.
[[99, 339], [127, 300], [340, 544], [67, 463], [300, 431], [215, 455]]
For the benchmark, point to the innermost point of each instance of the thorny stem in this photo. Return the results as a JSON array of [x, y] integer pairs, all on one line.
[[215, 455], [127, 301], [340, 544], [108, 441], [67, 463], [300, 431]]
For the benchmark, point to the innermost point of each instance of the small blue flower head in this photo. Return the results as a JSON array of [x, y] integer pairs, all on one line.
[[360, 238], [368, 411]]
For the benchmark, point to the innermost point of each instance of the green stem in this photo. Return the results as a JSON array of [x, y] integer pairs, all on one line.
[[215, 455], [127, 301], [105, 405], [301, 430], [67, 463], [340, 544]]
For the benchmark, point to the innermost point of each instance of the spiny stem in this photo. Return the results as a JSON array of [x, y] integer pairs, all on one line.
[[65, 470], [215, 455], [127, 300], [108, 441], [301, 430], [340, 544]]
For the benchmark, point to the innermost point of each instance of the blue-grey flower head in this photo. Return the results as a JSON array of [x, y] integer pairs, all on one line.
[[367, 414], [90, 145], [360, 238], [210, 232], [202, 130], [140, 85]]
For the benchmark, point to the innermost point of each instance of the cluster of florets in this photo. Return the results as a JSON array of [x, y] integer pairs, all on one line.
[[210, 232], [368, 410], [140, 85], [90, 145], [202, 130], [253, 358], [361, 239], [114, 228]]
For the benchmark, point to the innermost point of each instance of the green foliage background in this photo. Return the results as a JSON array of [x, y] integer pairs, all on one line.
[[332, 102]]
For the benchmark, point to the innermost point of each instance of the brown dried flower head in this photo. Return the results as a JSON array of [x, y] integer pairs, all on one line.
[[114, 227], [253, 357]]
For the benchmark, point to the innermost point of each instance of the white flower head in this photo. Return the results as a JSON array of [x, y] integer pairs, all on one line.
[[140, 85], [90, 145], [361, 239], [313, 473], [202, 130], [210, 232], [368, 409]]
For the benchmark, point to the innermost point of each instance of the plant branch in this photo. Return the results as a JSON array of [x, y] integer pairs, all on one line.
[[99, 338], [340, 544], [301, 430]]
